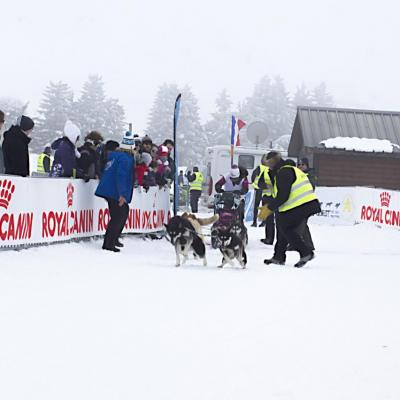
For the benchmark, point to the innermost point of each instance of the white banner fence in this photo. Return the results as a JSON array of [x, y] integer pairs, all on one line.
[[46, 210], [354, 205]]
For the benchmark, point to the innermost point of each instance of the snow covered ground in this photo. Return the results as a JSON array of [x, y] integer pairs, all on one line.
[[79, 323]]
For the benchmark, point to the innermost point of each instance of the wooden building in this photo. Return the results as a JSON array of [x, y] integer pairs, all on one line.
[[339, 167]]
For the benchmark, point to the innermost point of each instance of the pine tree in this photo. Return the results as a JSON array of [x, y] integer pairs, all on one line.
[[114, 124], [160, 122], [94, 111], [54, 110], [90, 109], [258, 106], [192, 140], [12, 108], [218, 128], [280, 113], [302, 96], [321, 97], [270, 104]]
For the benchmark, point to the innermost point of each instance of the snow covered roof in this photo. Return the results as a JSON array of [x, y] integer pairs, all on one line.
[[314, 125], [360, 144]]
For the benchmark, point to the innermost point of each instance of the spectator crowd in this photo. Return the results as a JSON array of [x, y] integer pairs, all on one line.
[[153, 164]]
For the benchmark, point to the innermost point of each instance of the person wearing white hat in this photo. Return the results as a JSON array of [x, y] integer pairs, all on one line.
[[234, 181], [66, 153]]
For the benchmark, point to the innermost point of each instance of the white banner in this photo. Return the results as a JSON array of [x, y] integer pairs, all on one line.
[[351, 205], [46, 210]]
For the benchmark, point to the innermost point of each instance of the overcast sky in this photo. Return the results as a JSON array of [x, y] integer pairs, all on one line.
[[210, 44]]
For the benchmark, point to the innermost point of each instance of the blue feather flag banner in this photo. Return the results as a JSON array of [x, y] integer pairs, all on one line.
[[176, 184], [233, 137]]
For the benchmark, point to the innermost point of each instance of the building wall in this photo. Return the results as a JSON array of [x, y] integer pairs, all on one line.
[[355, 169]]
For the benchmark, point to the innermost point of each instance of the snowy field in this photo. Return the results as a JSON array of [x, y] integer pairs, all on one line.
[[79, 323]]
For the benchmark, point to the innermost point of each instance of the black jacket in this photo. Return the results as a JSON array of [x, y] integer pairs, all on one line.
[[285, 178], [15, 152], [88, 164]]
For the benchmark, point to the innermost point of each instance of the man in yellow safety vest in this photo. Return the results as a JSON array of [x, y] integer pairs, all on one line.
[[257, 175], [44, 161], [196, 180], [294, 201], [266, 185]]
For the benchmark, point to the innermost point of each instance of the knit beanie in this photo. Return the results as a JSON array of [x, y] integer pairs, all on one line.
[[25, 123], [147, 139], [146, 158], [234, 172], [163, 151], [71, 131], [128, 141]]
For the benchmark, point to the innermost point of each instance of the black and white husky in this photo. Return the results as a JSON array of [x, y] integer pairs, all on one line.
[[231, 246], [185, 240]]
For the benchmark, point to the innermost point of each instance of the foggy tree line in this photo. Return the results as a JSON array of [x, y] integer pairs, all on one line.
[[92, 110], [270, 102]]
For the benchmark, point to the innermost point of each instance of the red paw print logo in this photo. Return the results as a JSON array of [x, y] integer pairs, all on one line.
[[385, 199], [7, 189], [70, 194]]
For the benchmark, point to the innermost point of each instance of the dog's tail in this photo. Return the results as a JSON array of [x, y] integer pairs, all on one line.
[[208, 221]]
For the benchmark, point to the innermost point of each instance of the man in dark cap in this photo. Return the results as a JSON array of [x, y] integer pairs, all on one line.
[[294, 201], [15, 147]]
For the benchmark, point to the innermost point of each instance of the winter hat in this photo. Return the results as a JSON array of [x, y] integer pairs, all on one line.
[[272, 154], [128, 141], [72, 132], [147, 139], [111, 145], [305, 161], [146, 158], [25, 123], [94, 137], [163, 151], [234, 172]]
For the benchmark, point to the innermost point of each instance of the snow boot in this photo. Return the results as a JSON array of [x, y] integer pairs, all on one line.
[[266, 241], [273, 260], [304, 260], [114, 249]]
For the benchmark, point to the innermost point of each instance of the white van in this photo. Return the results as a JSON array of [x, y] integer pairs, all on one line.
[[218, 162]]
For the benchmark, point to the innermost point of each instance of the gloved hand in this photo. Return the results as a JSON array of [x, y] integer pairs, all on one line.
[[264, 213]]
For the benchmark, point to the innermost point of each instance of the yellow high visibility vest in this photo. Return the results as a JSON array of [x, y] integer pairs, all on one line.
[[268, 191], [301, 191], [40, 165], [198, 182], [257, 178]]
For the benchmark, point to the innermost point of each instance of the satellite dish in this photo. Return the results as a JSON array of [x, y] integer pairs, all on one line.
[[257, 132]]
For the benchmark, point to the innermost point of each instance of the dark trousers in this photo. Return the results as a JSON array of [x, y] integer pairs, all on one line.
[[288, 232], [270, 228], [118, 217], [194, 200], [305, 233], [257, 199]]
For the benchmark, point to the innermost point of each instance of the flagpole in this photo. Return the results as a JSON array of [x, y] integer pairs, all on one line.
[[232, 137], [176, 163]]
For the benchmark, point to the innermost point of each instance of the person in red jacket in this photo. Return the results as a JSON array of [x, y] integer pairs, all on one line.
[[142, 169]]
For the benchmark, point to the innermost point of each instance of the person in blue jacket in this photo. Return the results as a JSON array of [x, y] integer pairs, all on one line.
[[116, 186]]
